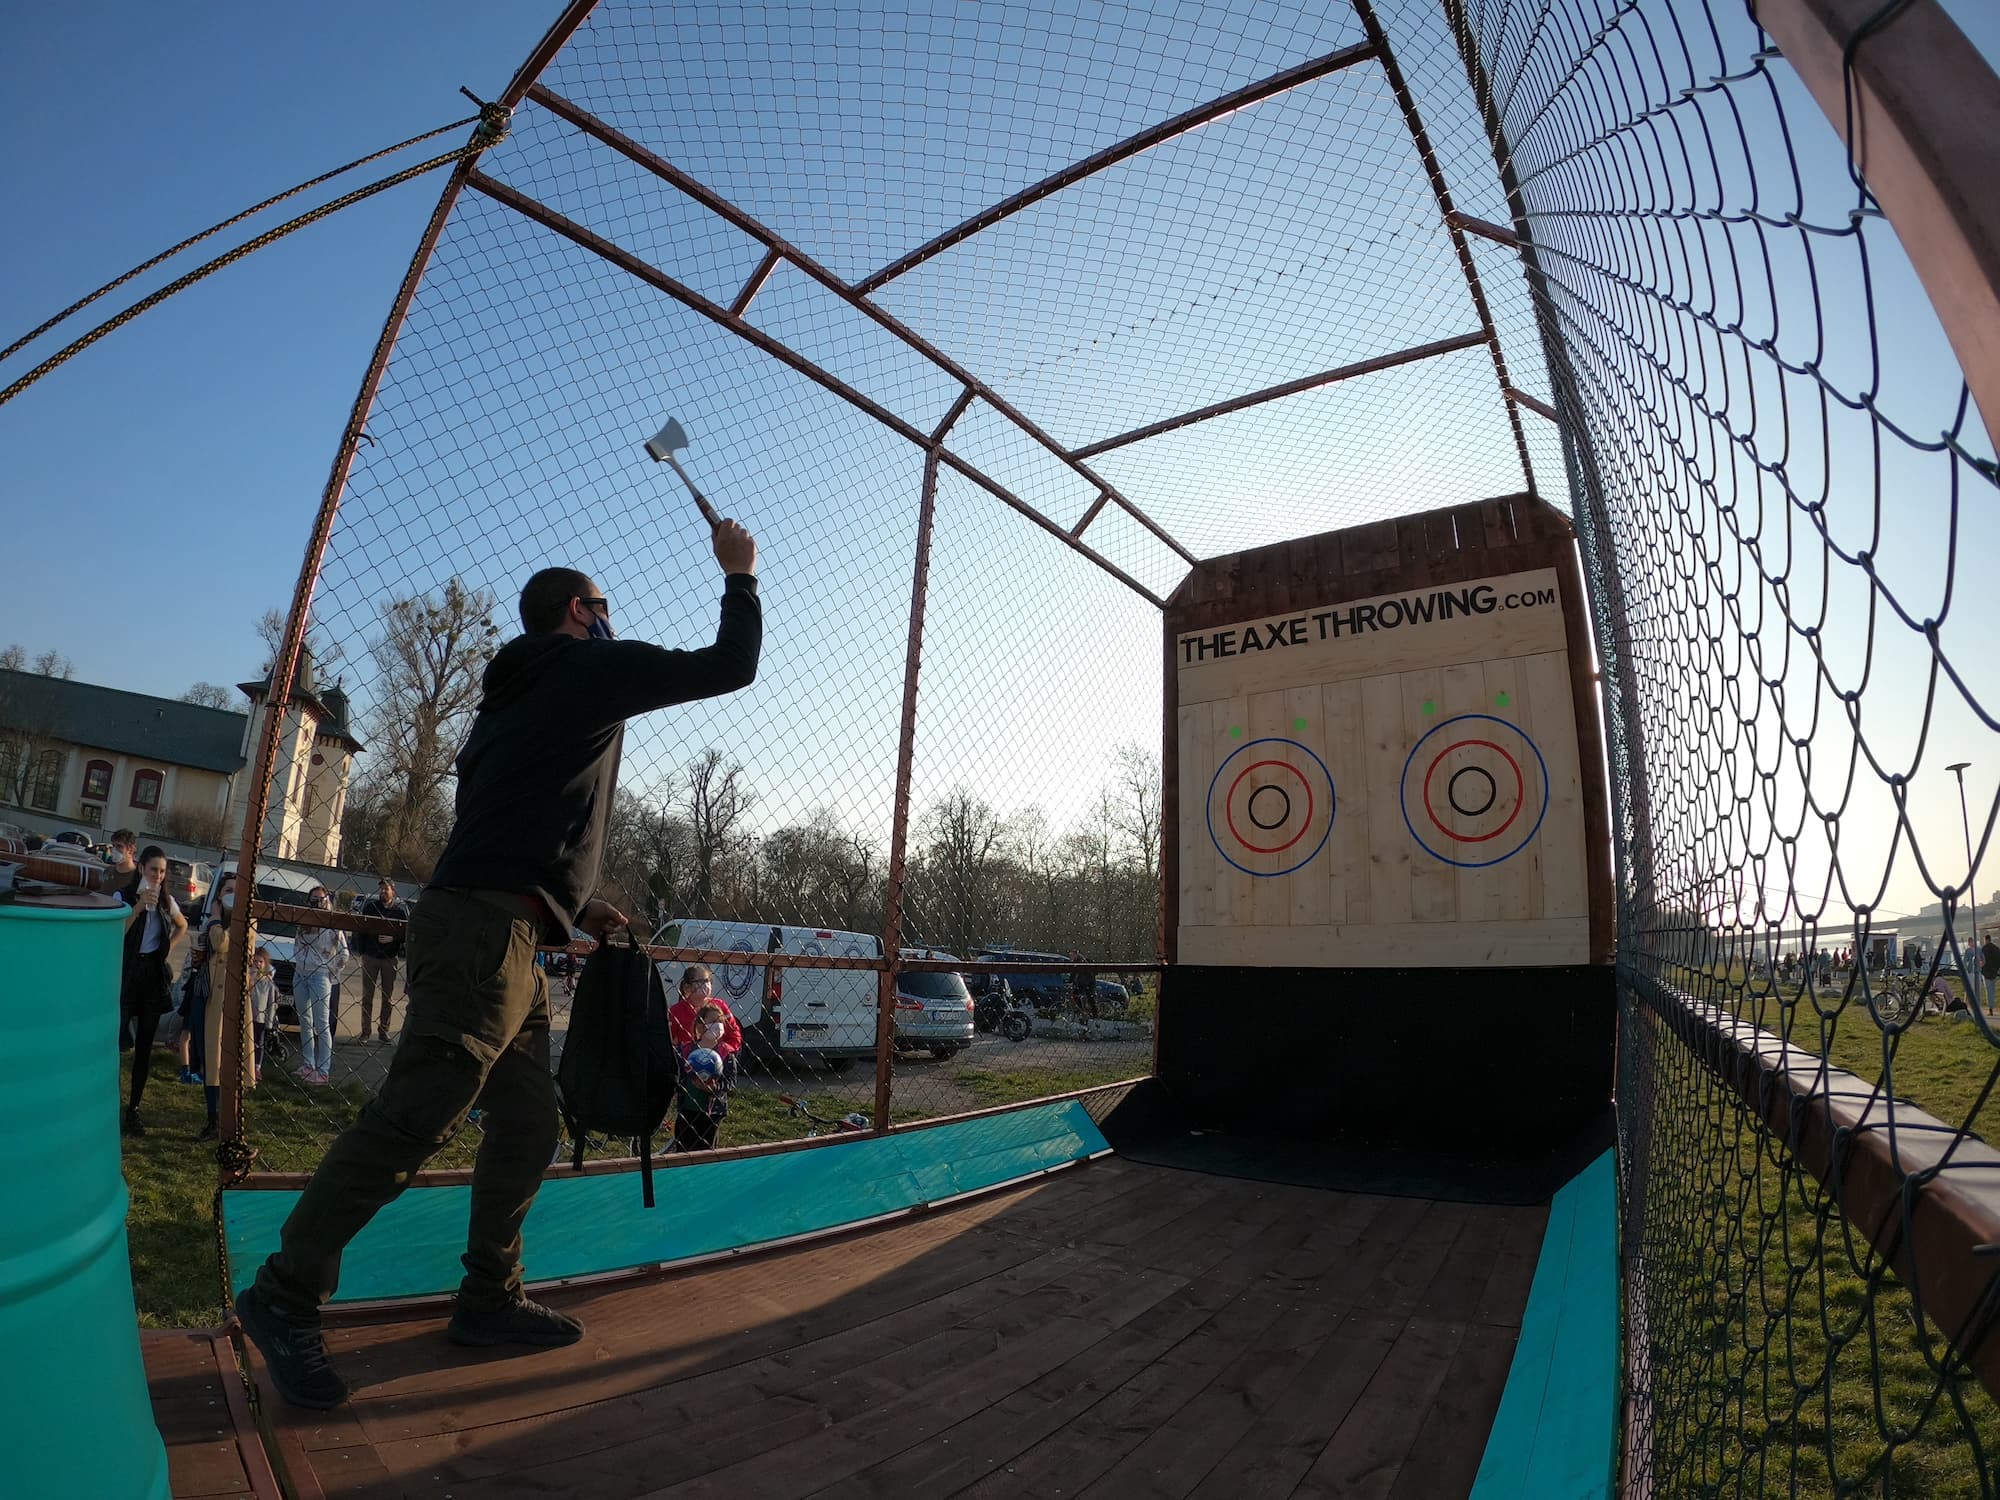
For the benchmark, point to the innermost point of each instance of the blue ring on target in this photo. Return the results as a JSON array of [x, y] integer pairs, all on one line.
[[1332, 804], [1403, 795]]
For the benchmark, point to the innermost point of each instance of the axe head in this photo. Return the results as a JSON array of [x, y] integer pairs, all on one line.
[[668, 441]]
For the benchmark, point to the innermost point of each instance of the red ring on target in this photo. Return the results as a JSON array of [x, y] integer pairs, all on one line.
[[1229, 810], [1520, 792]]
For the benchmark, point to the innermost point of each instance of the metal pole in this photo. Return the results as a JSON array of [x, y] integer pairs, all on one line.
[[1973, 875], [906, 747]]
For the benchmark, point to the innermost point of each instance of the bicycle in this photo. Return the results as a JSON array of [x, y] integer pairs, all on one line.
[[851, 1123]]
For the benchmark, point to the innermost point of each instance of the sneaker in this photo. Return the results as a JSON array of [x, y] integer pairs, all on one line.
[[302, 1073], [207, 1131], [318, 1079], [188, 1075], [517, 1322], [295, 1354], [130, 1124]]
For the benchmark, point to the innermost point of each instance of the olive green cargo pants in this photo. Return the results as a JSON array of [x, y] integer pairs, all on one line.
[[475, 1034]]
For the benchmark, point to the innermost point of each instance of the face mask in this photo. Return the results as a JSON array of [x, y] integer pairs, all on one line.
[[600, 629], [229, 901]]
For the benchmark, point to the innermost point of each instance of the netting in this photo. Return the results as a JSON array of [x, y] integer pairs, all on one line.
[[988, 321], [1782, 486]]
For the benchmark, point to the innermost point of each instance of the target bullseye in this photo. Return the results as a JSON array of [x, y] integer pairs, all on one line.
[[1471, 774], [1483, 787], [1270, 807]]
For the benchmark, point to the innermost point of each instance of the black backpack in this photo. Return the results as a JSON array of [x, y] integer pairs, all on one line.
[[618, 1066]]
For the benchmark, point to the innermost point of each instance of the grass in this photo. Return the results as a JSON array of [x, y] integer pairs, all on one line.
[[1799, 1367]]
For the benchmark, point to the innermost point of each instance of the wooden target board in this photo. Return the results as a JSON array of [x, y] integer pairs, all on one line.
[[1391, 780]]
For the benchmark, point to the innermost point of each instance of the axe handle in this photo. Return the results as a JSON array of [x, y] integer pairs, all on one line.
[[707, 511]]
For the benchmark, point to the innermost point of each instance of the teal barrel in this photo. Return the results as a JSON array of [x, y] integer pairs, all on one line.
[[75, 1417]]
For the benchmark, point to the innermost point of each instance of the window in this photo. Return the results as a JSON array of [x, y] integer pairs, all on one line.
[[97, 781], [90, 815], [48, 780], [10, 769], [146, 789]]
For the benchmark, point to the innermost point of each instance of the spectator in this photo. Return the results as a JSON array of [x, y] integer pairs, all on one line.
[[318, 955], [122, 853], [697, 1021], [1989, 968], [687, 1027], [263, 1001], [379, 956], [152, 927]]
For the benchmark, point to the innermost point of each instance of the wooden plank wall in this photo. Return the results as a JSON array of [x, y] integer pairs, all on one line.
[[1374, 896]]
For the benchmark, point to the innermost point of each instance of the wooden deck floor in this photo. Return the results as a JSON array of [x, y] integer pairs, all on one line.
[[1116, 1330], [212, 1448]]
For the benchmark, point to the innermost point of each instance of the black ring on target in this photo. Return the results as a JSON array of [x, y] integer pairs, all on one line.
[[1331, 804], [1250, 808], [1451, 791], [1461, 721]]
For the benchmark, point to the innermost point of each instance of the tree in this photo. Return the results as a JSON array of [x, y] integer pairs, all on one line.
[[716, 800], [208, 695], [953, 896], [1133, 804], [319, 646], [815, 872], [27, 722], [431, 657]]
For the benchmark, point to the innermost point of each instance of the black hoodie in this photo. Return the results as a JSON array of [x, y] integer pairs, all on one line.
[[537, 773]]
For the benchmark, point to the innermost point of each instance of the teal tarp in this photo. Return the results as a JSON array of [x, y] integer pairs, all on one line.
[[1555, 1436], [581, 1226]]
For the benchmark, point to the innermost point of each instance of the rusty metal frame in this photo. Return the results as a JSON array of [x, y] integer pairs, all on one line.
[[1923, 128], [1448, 212], [906, 749], [235, 994], [1287, 388], [1133, 145], [609, 135], [626, 261]]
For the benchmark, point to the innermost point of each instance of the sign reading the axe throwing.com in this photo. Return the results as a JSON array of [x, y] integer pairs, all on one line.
[[1390, 781]]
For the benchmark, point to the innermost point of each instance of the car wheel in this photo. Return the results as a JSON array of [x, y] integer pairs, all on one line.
[[838, 1064], [987, 1012], [944, 1051]]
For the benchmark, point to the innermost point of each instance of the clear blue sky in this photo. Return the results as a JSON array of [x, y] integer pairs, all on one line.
[[156, 492], [181, 459]]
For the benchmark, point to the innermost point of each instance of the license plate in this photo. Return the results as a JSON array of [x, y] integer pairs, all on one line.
[[948, 1016], [805, 1030]]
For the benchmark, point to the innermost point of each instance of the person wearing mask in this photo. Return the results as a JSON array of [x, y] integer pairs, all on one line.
[[153, 924], [318, 955], [379, 956], [122, 854], [215, 944], [536, 781]]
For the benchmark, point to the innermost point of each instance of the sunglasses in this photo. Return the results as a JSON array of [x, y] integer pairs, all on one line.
[[601, 605]]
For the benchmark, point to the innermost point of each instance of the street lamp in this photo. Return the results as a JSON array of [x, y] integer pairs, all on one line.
[[1971, 875]]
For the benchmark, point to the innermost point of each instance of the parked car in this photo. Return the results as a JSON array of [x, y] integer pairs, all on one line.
[[188, 882], [77, 836], [934, 1009]]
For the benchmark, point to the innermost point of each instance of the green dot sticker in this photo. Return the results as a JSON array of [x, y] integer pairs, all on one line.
[[1236, 731], [1299, 725], [1500, 700], [1430, 705]]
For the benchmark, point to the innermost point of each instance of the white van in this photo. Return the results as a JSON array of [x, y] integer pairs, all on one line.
[[818, 1015]]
